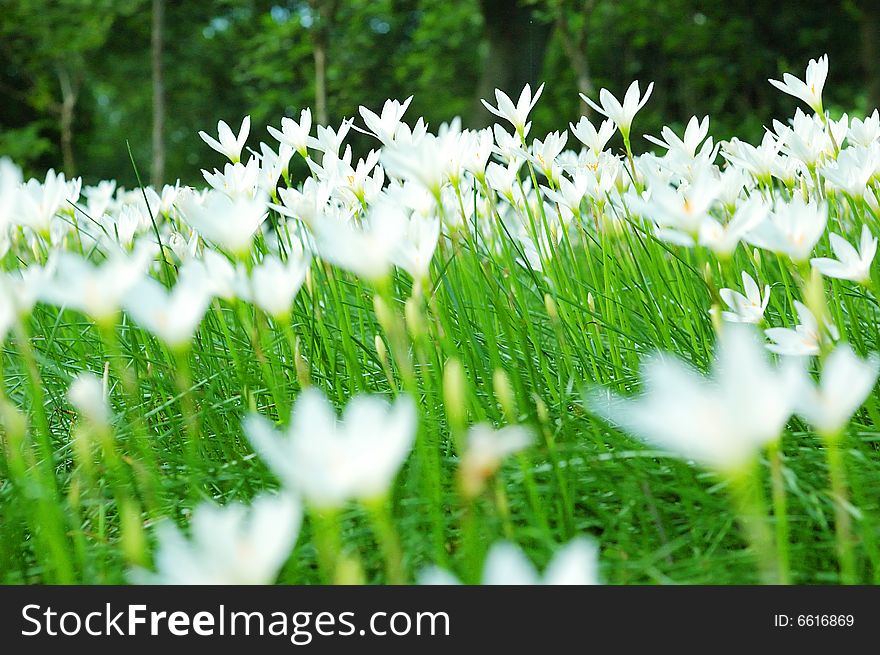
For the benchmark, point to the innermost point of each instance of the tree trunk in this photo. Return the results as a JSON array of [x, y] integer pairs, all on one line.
[[574, 47], [319, 50], [517, 43], [870, 42], [324, 16], [66, 117], [158, 164]]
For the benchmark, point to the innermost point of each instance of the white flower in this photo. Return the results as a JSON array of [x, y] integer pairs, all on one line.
[[720, 422], [621, 114], [227, 222], [576, 563], [172, 317], [811, 90], [850, 264], [295, 134], [332, 461], [229, 144], [384, 127], [544, 153], [96, 291], [273, 284], [694, 134], [845, 383], [233, 545], [10, 180], [329, 141], [486, 448], [518, 114], [367, 251], [723, 239], [792, 228], [805, 339], [88, 396], [594, 139], [864, 132], [38, 203], [213, 271], [748, 308], [426, 162], [415, 250]]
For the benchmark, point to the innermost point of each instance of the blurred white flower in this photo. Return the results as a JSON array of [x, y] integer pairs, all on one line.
[[229, 144], [331, 461], [226, 222], [233, 545], [273, 284], [792, 228], [89, 397], [811, 90], [96, 291], [850, 264], [843, 386], [172, 316], [39, 202], [367, 251], [748, 308], [721, 422], [576, 563], [486, 448], [10, 180], [805, 339]]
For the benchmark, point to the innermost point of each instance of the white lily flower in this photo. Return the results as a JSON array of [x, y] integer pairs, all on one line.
[[621, 114], [695, 133], [805, 339], [850, 264], [721, 422], [331, 461], [748, 308], [865, 132], [518, 114], [811, 90], [384, 127], [295, 134], [330, 140], [843, 386], [231, 545], [594, 139], [792, 228], [229, 144]]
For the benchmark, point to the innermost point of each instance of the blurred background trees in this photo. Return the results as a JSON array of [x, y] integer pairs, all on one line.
[[79, 78]]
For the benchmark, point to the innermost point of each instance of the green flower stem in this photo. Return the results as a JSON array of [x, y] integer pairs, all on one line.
[[389, 541], [780, 511], [751, 507], [842, 521]]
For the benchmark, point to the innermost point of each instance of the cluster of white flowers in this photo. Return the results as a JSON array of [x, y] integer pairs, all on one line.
[[163, 256]]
